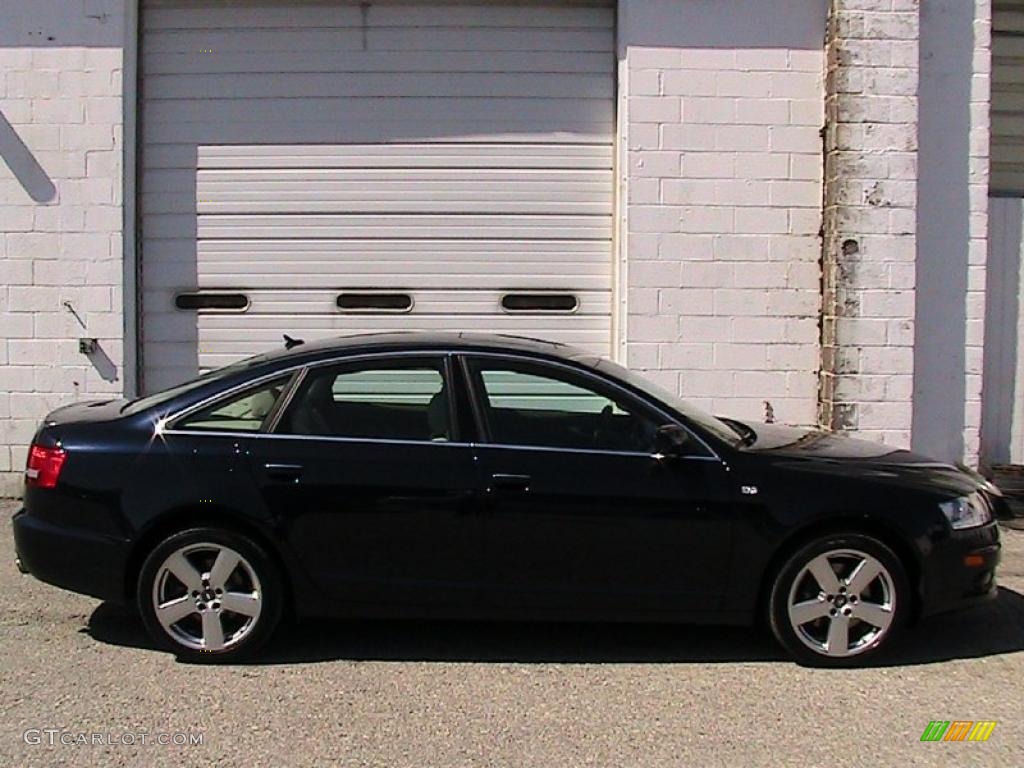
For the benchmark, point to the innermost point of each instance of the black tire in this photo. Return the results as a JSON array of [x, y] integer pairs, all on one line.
[[808, 642], [254, 584]]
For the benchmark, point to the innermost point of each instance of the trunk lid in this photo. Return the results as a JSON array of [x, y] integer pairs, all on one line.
[[87, 412]]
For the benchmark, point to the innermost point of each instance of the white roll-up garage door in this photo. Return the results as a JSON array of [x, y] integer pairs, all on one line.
[[1008, 98], [316, 168]]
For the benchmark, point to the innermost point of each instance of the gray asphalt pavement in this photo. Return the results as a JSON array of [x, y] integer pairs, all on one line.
[[462, 694]]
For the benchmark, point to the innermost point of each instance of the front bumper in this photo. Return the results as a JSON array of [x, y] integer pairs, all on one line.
[[961, 570], [73, 559]]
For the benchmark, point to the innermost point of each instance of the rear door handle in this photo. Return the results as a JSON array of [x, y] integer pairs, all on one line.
[[510, 483], [290, 472]]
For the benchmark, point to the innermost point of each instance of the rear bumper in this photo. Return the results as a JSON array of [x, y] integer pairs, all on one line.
[[961, 570], [73, 559]]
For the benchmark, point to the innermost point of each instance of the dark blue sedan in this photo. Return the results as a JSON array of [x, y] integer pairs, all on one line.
[[409, 475]]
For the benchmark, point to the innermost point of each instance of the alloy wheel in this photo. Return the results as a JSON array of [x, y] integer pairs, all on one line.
[[842, 603], [207, 597]]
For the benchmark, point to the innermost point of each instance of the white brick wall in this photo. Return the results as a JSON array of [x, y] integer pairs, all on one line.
[[723, 204], [977, 256], [870, 229], [60, 241]]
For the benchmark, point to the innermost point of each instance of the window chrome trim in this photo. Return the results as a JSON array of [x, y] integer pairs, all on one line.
[[387, 354], [463, 356], [450, 443], [171, 419], [333, 439], [585, 373], [590, 451]]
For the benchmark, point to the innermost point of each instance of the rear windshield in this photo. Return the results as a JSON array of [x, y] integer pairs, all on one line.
[[217, 374]]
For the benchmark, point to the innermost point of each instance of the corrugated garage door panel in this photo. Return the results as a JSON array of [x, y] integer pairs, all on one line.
[[369, 263], [451, 151], [412, 69], [1008, 98]]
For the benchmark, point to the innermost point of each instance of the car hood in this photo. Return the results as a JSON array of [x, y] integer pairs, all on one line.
[[815, 450]]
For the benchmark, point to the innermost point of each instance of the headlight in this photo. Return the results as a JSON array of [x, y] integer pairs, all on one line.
[[966, 512]]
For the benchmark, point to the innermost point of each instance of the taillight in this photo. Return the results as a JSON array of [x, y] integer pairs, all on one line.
[[44, 466]]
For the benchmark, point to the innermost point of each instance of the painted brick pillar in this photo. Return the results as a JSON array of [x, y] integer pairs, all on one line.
[[978, 189], [870, 218]]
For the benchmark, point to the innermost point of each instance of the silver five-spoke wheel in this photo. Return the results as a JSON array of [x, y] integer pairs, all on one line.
[[842, 603], [207, 597]]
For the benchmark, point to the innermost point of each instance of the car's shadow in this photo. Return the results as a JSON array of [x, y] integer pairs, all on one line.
[[987, 630]]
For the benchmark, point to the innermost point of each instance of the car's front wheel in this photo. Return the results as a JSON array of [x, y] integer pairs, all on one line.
[[840, 600], [209, 594]]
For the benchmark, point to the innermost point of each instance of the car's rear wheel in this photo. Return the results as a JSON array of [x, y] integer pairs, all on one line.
[[209, 594], [840, 600]]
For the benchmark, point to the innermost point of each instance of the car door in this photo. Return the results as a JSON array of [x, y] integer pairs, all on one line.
[[580, 516], [210, 444], [366, 472]]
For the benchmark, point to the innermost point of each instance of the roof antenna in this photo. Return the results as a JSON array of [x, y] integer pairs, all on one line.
[[289, 342]]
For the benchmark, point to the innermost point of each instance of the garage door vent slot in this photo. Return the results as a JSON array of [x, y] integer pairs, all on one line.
[[374, 302], [224, 302], [540, 302]]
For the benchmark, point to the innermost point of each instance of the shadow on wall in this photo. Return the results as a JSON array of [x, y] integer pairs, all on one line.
[[59, 23], [752, 24], [102, 363], [24, 166], [1000, 407], [943, 228]]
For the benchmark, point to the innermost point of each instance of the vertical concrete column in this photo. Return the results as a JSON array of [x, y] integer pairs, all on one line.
[[952, 221]]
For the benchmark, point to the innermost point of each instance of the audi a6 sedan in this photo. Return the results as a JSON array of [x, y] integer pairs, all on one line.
[[409, 475]]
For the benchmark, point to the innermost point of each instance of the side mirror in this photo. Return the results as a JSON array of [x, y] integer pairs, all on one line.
[[670, 442]]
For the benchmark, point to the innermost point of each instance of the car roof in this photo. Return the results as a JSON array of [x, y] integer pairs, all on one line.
[[413, 340]]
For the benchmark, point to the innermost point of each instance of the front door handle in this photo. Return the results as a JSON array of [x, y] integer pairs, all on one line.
[[510, 483], [290, 472]]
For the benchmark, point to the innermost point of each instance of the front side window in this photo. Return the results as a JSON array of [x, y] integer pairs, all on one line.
[[382, 400], [533, 404], [244, 412]]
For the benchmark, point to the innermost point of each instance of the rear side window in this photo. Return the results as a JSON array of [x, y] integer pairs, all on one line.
[[245, 412], [383, 400]]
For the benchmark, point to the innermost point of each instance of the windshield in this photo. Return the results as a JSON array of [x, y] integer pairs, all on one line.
[[706, 421], [217, 374]]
